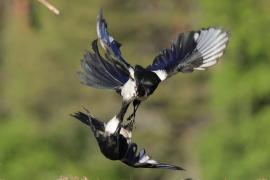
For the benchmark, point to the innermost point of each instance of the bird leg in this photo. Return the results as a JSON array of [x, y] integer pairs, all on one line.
[[120, 115], [136, 104], [132, 114], [130, 125]]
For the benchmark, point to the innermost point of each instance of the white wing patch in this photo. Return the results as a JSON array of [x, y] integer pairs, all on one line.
[[145, 158], [196, 35], [131, 72], [162, 74], [211, 43]]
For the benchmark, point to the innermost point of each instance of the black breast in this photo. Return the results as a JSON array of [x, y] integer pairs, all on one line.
[[146, 81]]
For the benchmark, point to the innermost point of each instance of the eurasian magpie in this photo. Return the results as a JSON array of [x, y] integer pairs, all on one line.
[[115, 143], [194, 50]]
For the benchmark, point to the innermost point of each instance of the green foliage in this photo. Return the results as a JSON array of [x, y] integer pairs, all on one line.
[[40, 88], [39, 57], [235, 145]]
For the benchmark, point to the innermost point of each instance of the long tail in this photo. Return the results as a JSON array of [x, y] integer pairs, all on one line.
[[84, 118], [89, 120]]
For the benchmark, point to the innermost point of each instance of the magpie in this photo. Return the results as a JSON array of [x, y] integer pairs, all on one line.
[[193, 50], [115, 143]]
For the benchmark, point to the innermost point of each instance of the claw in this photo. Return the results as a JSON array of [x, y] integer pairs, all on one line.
[[130, 117], [130, 126]]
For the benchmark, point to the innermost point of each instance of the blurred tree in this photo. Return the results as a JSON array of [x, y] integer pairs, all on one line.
[[41, 54], [236, 145], [36, 139]]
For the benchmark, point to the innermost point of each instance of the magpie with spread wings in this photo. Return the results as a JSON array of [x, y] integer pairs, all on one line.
[[193, 50], [115, 143]]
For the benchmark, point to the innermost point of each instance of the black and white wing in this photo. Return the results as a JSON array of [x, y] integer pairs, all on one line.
[[111, 46], [142, 160], [101, 73], [191, 50]]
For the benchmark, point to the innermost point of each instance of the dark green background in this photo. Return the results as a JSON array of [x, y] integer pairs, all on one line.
[[215, 123]]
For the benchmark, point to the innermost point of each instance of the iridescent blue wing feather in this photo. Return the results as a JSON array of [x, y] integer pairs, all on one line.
[[101, 73], [194, 50], [111, 46]]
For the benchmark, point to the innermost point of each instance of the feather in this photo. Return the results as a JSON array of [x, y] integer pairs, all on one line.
[[191, 50], [101, 73]]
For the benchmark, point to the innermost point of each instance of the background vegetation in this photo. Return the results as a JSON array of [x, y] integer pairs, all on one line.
[[215, 123]]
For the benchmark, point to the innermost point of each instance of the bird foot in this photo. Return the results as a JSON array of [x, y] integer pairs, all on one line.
[[131, 125], [131, 116]]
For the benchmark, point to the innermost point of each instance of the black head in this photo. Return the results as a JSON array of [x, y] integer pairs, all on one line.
[[146, 80]]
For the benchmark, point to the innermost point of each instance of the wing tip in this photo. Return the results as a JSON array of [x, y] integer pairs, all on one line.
[[222, 30], [171, 167], [100, 15], [180, 168], [212, 55]]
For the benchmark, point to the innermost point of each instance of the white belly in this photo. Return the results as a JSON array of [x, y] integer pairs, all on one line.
[[112, 125], [128, 91]]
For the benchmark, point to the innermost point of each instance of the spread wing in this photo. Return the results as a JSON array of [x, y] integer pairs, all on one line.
[[142, 160], [194, 50], [101, 73], [111, 46]]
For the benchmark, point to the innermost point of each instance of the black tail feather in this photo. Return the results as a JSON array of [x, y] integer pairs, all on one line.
[[89, 120], [84, 118]]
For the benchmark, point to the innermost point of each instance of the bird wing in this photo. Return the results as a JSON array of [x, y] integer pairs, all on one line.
[[191, 50], [101, 73], [111, 46], [142, 160]]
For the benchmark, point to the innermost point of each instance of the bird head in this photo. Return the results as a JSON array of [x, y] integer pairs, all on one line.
[[146, 81]]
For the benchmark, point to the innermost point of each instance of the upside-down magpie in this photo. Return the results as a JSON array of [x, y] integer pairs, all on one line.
[[194, 50], [115, 143]]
